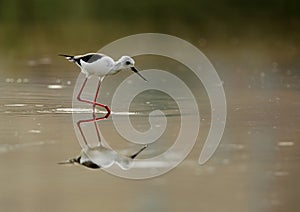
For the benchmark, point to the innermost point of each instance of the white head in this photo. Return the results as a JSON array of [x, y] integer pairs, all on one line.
[[126, 62]]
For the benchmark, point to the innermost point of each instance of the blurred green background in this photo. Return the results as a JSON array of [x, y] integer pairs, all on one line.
[[36, 26]]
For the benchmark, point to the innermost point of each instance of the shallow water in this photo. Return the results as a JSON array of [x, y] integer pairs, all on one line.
[[255, 167]]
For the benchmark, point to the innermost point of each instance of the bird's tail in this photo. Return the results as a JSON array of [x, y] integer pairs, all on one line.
[[68, 57], [70, 161]]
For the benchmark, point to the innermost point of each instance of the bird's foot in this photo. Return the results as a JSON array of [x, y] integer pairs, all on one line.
[[103, 106]]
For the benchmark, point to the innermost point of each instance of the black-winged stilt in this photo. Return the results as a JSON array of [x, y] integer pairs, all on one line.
[[100, 65]]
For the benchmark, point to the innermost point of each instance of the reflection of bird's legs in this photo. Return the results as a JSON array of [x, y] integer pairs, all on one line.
[[94, 119], [137, 153], [94, 111], [96, 127]]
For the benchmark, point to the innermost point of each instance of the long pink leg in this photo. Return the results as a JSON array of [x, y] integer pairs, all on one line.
[[94, 103]]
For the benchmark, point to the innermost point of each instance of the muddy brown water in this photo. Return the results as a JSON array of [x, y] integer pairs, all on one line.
[[255, 168]]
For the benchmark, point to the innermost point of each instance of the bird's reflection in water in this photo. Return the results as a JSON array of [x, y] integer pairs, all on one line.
[[99, 156], [102, 157]]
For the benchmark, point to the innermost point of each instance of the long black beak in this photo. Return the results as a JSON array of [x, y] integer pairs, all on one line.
[[136, 71]]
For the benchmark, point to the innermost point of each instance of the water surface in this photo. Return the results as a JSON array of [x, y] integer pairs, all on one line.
[[254, 169]]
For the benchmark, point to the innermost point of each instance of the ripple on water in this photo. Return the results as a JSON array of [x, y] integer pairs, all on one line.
[[281, 173], [15, 105], [34, 131], [11, 147], [19, 80], [285, 143], [90, 110], [55, 86]]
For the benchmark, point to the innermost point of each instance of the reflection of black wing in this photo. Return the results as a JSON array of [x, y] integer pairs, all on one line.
[[85, 161], [91, 165]]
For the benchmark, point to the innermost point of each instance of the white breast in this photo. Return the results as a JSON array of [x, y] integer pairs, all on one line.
[[99, 67]]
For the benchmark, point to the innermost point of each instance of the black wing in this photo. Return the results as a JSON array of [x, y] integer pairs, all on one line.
[[88, 58]]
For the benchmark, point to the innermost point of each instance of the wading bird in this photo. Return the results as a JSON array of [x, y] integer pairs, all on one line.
[[100, 65]]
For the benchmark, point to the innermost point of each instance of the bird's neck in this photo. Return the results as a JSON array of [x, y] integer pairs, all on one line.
[[119, 64], [117, 67]]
